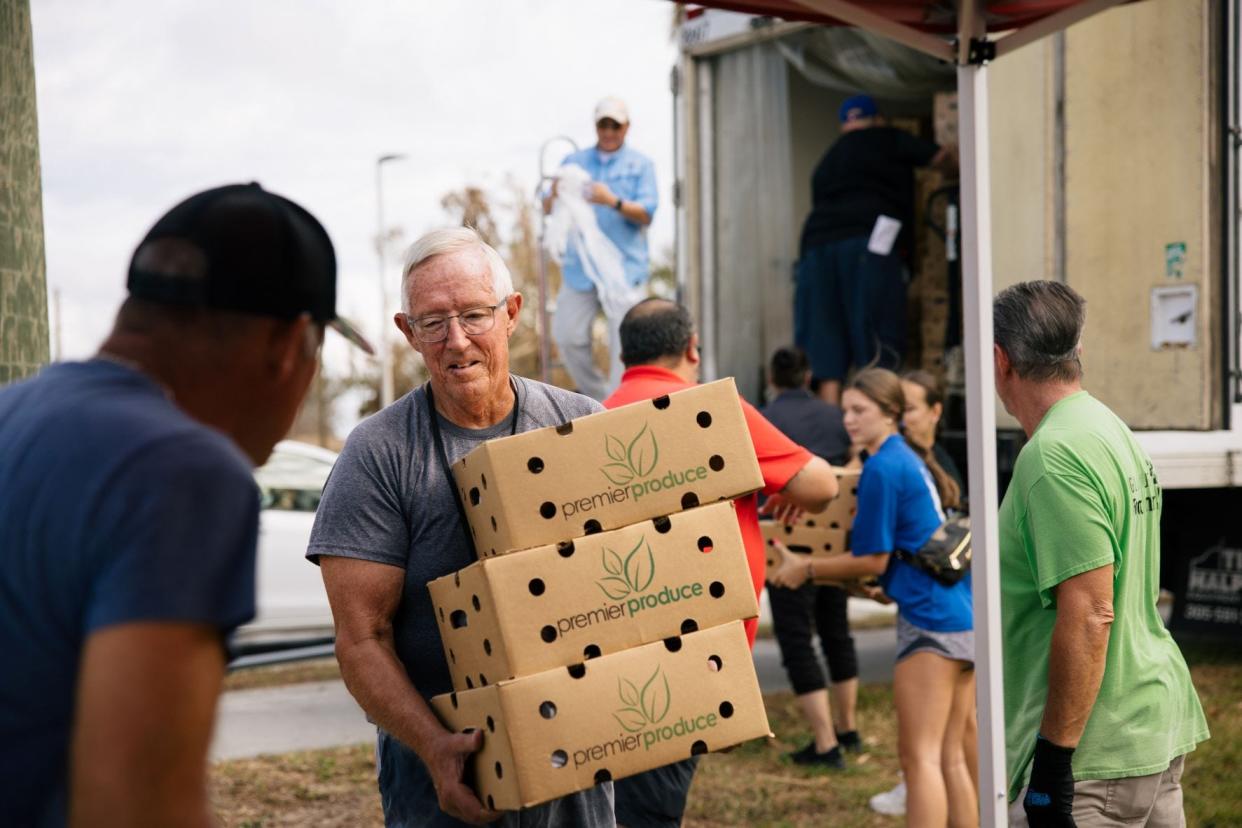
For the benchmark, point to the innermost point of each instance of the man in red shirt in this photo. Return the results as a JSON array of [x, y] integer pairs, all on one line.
[[660, 351]]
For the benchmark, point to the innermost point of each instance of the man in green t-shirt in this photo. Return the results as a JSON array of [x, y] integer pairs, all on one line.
[[1099, 706]]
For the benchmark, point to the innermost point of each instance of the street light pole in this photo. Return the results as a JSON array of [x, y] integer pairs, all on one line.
[[381, 239]]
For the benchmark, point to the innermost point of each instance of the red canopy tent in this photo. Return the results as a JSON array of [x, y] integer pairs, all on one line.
[[970, 34]]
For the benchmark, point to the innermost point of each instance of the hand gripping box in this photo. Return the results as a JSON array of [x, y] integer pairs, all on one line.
[[548, 607], [608, 470], [564, 730], [808, 537]]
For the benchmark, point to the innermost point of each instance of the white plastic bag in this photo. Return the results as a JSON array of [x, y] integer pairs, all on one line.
[[572, 222]]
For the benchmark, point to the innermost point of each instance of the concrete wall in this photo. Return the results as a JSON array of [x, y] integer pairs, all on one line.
[[23, 290]]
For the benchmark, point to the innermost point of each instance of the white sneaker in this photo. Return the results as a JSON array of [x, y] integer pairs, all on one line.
[[891, 803]]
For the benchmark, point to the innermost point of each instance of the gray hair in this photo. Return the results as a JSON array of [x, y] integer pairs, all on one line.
[[451, 240], [1039, 325]]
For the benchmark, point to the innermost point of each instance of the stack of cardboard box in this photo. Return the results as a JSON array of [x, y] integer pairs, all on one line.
[[929, 297], [600, 635], [822, 535]]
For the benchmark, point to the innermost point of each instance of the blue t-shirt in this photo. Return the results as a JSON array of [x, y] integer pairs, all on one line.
[[630, 175], [115, 506], [898, 508]]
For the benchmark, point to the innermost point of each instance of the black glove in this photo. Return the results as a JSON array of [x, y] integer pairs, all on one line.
[[1049, 799]]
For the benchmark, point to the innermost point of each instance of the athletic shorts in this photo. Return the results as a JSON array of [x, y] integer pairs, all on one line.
[[958, 646]]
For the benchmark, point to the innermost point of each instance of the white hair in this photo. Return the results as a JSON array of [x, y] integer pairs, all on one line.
[[451, 240]]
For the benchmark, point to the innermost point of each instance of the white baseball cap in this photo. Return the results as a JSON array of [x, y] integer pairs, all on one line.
[[613, 108]]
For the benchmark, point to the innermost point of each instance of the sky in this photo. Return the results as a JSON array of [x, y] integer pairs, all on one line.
[[142, 104]]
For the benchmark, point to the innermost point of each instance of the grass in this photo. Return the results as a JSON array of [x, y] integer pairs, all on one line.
[[750, 786], [320, 669]]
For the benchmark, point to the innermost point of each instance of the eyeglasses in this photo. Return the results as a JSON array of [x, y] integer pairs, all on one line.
[[473, 321]]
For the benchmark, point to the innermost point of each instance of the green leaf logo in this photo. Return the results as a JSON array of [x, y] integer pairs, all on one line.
[[638, 459], [639, 568], [643, 707], [643, 452]]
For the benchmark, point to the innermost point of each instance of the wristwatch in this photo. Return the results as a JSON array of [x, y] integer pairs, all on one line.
[[617, 206]]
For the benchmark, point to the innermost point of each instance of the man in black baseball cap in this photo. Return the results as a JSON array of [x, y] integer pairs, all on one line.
[[129, 513]]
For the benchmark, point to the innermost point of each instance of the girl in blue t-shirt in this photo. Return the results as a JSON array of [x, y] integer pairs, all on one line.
[[901, 496]]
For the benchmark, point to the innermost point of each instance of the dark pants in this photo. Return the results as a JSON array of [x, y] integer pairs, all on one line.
[[850, 308], [656, 797], [799, 613]]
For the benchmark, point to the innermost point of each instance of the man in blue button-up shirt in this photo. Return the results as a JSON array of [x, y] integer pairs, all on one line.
[[623, 190]]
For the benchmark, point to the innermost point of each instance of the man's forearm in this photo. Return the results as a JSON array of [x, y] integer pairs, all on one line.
[[1075, 669], [378, 682], [635, 212]]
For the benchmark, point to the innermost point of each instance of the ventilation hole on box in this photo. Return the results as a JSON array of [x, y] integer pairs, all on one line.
[[592, 527], [457, 578], [491, 803], [493, 553], [853, 490], [788, 530], [565, 548], [474, 599], [452, 657], [834, 525], [716, 589], [547, 510], [500, 774], [482, 680], [469, 683], [494, 523], [726, 709], [559, 758], [591, 651], [800, 549], [491, 725], [715, 462], [602, 775], [473, 533], [698, 748], [548, 633], [453, 700], [827, 547], [535, 464], [705, 544], [548, 710], [810, 524], [689, 500], [483, 480], [576, 670], [662, 524], [536, 586], [441, 614], [565, 428], [661, 402], [704, 419], [487, 646], [474, 496], [672, 644], [689, 626], [714, 663], [458, 619]]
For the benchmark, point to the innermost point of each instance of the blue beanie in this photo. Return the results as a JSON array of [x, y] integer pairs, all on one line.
[[858, 106]]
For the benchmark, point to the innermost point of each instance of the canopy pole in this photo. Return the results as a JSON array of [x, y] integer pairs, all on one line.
[[972, 110]]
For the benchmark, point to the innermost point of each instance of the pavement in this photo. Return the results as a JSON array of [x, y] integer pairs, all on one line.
[[322, 714]]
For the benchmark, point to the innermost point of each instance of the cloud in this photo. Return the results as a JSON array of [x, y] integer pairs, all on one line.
[[141, 104]]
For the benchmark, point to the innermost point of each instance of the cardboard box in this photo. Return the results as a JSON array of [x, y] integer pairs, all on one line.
[[814, 540], [514, 615], [841, 510], [944, 118], [608, 470], [565, 730]]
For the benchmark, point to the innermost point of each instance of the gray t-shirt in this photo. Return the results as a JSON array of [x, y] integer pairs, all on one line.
[[390, 500]]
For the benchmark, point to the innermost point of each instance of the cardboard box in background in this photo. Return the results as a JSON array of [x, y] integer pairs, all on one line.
[[815, 541], [608, 470], [565, 730], [944, 118], [514, 615]]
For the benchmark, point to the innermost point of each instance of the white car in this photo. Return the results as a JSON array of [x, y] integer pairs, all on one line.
[[291, 602]]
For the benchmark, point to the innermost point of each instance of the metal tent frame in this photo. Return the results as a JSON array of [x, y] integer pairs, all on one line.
[[981, 32]]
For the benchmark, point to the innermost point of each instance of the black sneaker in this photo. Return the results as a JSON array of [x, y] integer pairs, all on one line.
[[803, 755], [850, 741], [831, 758]]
